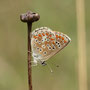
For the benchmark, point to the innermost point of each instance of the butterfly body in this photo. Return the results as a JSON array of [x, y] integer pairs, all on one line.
[[45, 43]]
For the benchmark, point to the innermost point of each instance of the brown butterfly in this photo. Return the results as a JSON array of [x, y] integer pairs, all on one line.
[[46, 43]]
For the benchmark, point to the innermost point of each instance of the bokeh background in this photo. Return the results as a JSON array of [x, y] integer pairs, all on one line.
[[59, 15]]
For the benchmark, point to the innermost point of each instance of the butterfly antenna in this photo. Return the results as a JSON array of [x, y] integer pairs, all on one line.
[[50, 68]]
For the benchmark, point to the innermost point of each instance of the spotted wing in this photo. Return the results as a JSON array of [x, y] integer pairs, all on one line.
[[46, 43]]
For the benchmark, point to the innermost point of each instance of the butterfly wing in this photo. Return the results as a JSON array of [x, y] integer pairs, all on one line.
[[46, 43]]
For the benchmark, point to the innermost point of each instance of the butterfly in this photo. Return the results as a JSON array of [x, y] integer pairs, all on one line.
[[45, 43]]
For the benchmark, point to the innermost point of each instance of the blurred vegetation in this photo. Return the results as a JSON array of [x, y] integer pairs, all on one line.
[[59, 15]]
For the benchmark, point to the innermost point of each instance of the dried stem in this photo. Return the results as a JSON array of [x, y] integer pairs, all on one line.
[[29, 18], [29, 57], [82, 68]]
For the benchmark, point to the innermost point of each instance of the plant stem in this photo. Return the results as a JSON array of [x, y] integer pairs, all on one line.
[[29, 18], [29, 56], [82, 67]]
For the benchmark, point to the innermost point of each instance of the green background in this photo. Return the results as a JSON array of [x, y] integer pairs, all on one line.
[[59, 15]]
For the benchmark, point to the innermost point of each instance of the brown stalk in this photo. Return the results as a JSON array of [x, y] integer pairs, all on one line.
[[29, 18], [81, 33]]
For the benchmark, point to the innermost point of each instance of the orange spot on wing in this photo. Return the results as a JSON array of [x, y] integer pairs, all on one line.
[[62, 38], [52, 39], [53, 42], [35, 37], [50, 35], [59, 36], [56, 36], [47, 34], [39, 35], [43, 34], [65, 41]]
